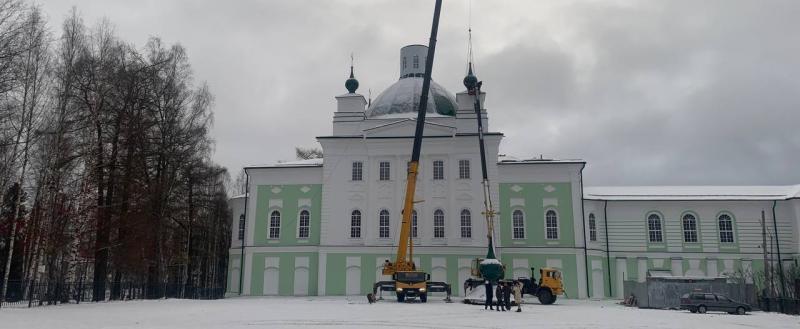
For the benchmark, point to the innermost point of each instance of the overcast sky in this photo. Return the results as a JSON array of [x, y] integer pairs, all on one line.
[[647, 92]]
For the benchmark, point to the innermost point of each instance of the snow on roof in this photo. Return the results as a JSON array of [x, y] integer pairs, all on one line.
[[503, 159], [691, 192], [298, 163]]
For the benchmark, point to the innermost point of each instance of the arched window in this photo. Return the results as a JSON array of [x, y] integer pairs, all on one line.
[[304, 225], [654, 228], [383, 224], [241, 227], [551, 225], [725, 228], [518, 224], [414, 223], [404, 62], [275, 225], [355, 224], [592, 228], [689, 228], [438, 223], [466, 224], [416, 61]]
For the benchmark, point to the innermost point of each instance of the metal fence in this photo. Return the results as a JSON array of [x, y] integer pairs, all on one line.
[[30, 294]]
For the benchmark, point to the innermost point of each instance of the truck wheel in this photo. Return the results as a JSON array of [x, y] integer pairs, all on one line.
[[702, 309], [401, 297], [546, 297], [423, 298], [740, 310]]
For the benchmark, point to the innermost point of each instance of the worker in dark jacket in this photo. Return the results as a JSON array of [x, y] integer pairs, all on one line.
[[507, 296], [489, 297], [499, 294]]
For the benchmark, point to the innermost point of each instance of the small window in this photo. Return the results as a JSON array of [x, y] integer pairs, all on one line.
[[592, 228], [414, 223], [551, 225], [438, 170], [654, 232], [518, 224], [355, 224], [275, 225], [463, 169], [404, 62], [689, 228], [385, 170], [438, 223], [725, 228], [241, 227], [304, 225], [383, 224], [466, 224], [416, 61], [358, 170]]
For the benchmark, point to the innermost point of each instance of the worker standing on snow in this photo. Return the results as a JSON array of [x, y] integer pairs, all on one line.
[[507, 296], [489, 291], [518, 295], [499, 294]]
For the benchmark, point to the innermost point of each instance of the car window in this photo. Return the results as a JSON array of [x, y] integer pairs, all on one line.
[[722, 298], [697, 296], [710, 297]]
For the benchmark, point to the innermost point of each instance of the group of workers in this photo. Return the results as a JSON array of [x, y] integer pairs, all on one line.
[[503, 292]]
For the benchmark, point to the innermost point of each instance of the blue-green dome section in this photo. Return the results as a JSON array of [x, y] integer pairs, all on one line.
[[403, 97]]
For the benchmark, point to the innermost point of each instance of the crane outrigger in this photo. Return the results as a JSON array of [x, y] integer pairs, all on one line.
[[408, 280]]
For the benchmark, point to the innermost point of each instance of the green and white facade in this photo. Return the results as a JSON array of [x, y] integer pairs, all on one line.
[[325, 226]]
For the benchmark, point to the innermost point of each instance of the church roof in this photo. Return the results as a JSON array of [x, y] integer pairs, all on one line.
[[402, 99], [683, 193], [289, 164]]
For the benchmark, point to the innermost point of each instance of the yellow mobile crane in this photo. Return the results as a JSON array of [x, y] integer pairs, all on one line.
[[408, 281]]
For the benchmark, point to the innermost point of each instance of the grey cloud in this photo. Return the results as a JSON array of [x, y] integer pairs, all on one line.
[[656, 92]]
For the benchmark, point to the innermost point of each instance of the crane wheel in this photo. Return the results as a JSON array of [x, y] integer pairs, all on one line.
[[401, 297], [423, 298], [546, 297]]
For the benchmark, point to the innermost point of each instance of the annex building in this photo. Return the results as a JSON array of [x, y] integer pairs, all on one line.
[[325, 226]]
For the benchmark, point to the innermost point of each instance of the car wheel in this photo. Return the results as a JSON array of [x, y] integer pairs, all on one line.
[[740, 310], [693, 310], [701, 309]]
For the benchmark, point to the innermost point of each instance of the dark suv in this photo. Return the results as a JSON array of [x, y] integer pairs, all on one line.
[[700, 302]]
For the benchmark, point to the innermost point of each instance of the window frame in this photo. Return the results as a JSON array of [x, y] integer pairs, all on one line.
[[415, 61], [464, 171], [387, 170], [659, 230], [438, 169], [356, 228], [466, 230], [414, 224], [387, 227], [557, 225], [514, 225], [592, 227], [271, 227], [357, 167], [241, 230], [732, 229], [439, 231], [300, 224], [689, 233]]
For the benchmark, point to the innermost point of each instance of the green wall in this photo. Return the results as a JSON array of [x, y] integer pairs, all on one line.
[[286, 272], [289, 195], [534, 194]]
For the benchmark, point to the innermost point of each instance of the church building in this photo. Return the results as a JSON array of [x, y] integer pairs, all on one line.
[[325, 226]]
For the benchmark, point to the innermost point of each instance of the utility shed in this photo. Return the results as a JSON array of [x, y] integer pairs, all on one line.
[[663, 290]]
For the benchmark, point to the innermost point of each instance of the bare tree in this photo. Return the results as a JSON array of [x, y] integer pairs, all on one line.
[[303, 153]]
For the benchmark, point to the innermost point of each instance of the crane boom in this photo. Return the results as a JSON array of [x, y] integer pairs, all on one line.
[[404, 260]]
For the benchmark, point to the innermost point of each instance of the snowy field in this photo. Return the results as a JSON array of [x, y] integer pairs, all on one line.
[[352, 312]]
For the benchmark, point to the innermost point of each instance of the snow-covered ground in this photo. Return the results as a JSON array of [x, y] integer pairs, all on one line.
[[352, 312]]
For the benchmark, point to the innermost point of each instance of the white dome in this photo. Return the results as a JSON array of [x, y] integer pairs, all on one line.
[[403, 97]]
